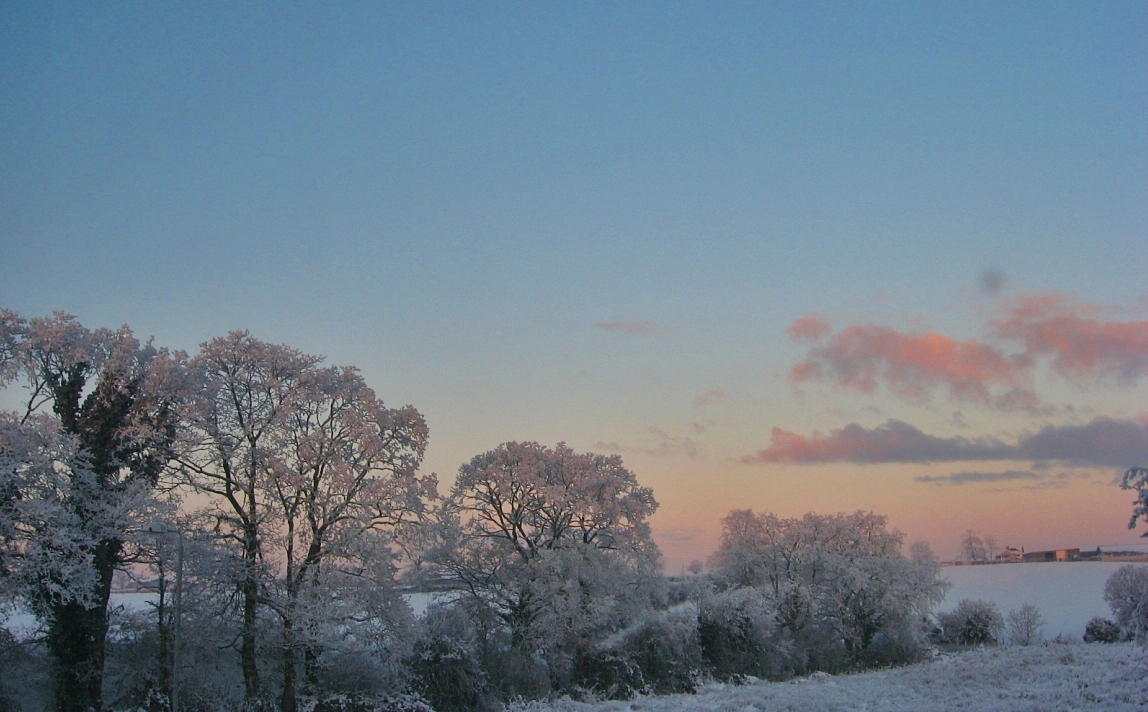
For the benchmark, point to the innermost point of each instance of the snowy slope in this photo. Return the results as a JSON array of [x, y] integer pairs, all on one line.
[[1043, 678]]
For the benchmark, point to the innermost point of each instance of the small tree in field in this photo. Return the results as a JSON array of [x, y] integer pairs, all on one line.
[[1126, 593], [1024, 626], [973, 547]]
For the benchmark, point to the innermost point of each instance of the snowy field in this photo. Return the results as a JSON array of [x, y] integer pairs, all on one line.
[[22, 623], [1043, 678], [1067, 594]]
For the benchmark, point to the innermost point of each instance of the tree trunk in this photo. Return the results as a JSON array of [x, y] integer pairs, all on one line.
[[165, 646], [76, 638], [287, 704], [247, 652]]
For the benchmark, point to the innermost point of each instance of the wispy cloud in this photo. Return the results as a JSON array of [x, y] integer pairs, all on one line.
[[713, 396], [701, 427], [628, 327], [961, 478], [656, 442], [1102, 442], [680, 536]]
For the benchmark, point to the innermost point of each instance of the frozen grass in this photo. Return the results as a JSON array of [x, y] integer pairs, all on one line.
[[1044, 678]]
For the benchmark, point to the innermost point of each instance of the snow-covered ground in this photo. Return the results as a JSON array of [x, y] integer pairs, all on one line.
[[1067, 594], [1042, 678]]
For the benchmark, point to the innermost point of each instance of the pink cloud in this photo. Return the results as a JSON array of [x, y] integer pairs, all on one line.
[[914, 365], [1080, 344], [811, 327], [628, 327], [1102, 442]]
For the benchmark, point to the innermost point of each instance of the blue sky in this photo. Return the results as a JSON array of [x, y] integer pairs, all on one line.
[[455, 196]]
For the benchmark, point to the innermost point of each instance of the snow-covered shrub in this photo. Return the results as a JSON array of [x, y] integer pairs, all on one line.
[[667, 650], [1024, 626], [972, 622], [609, 674], [898, 645], [1101, 630], [736, 630], [661, 655], [25, 683], [366, 703], [514, 673], [1126, 592], [445, 664]]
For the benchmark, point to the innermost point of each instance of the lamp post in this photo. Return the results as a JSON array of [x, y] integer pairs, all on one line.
[[159, 529]]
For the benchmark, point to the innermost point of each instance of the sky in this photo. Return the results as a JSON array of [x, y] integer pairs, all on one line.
[[783, 256]]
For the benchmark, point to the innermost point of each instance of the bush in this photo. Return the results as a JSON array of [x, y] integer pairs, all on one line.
[[972, 622], [445, 664], [897, 645], [512, 672], [608, 674], [368, 703], [1025, 626], [1126, 592], [1101, 630], [668, 652], [735, 632], [659, 656]]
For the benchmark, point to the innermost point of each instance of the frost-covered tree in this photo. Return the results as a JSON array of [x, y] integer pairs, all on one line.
[[554, 543], [973, 547], [344, 481], [1024, 626], [43, 543], [1126, 593], [309, 475], [1136, 478], [91, 441], [922, 551], [237, 419], [840, 573]]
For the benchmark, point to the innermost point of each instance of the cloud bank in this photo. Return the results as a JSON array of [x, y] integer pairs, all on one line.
[[1103, 442], [1041, 480]]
